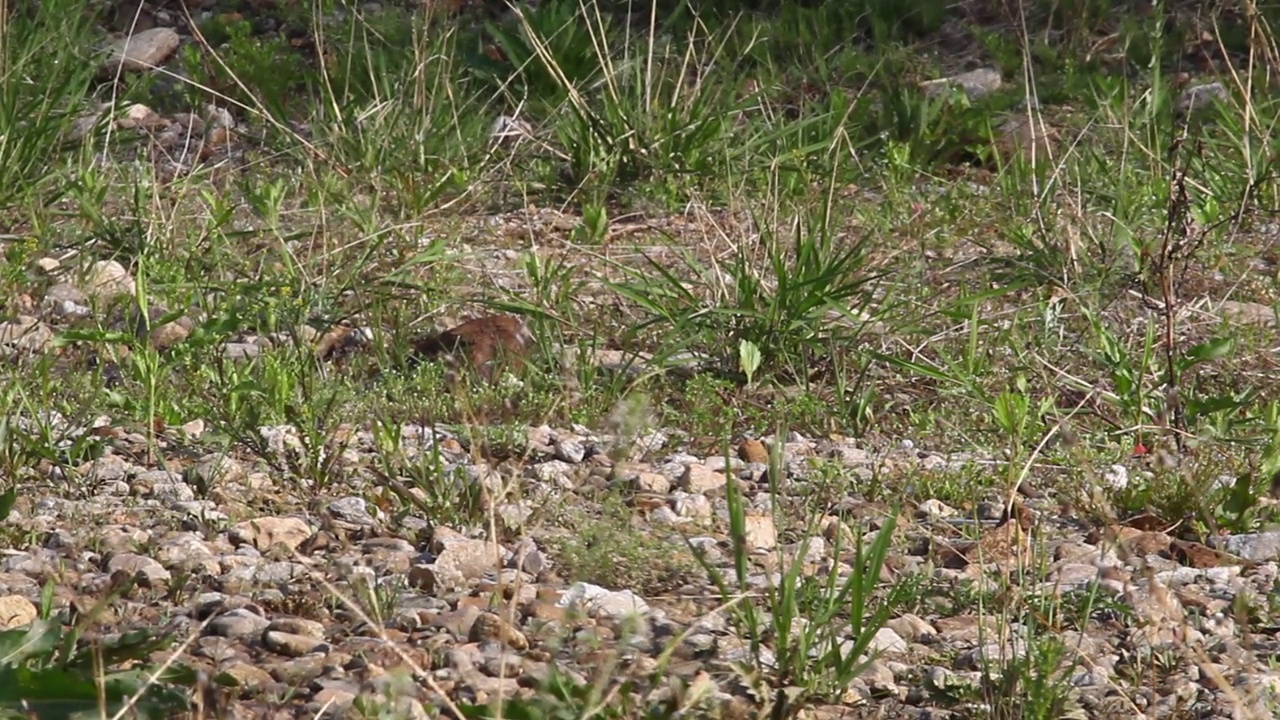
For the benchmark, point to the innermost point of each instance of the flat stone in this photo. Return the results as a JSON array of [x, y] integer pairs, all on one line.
[[352, 510], [652, 482], [458, 622], [66, 301], [16, 612], [291, 644], [570, 448], [266, 532], [298, 626], [1201, 96], [1257, 547], [602, 602], [886, 640], [698, 478], [760, 532], [25, 334], [141, 567], [108, 280], [691, 506], [238, 623], [1246, 313], [975, 83], [142, 51]]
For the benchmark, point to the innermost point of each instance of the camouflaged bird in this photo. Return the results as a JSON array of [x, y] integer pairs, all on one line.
[[488, 344]]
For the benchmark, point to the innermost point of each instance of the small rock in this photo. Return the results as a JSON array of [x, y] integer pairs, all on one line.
[[301, 672], [165, 487], [186, 125], [351, 510], [238, 623], [217, 649], [886, 640], [457, 622], [553, 472], [1198, 97], [911, 627], [141, 51], [879, 677], [499, 662], [106, 469], [570, 449], [216, 469], [470, 558], [27, 564], [163, 337], [147, 571], [526, 557], [984, 656], [975, 83], [720, 463], [247, 675], [1116, 477], [187, 551], [292, 645], [241, 350], [666, 516], [266, 532], [815, 551], [933, 509], [432, 580], [192, 428], [514, 515], [651, 482], [107, 280], [1256, 547], [138, 115], [691, 506], [332, 698], [24, 335], [988, 511], [699, 478], [1246, 313], [602, 602], [504, 127], [65, 301], [16, 612], [298, 626], [760, 532], [84, 126], [218, 117]]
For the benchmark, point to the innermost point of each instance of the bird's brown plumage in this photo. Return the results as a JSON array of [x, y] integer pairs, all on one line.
[[487, 343]]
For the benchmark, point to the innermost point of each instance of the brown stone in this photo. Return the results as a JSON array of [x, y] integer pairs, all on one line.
[[142, 51], [267, 532], [16, 611]]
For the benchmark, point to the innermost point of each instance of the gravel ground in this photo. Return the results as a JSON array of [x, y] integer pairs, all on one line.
[[302, 599]]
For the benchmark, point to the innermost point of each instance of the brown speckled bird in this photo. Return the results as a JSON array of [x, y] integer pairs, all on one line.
[[488, 344]]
